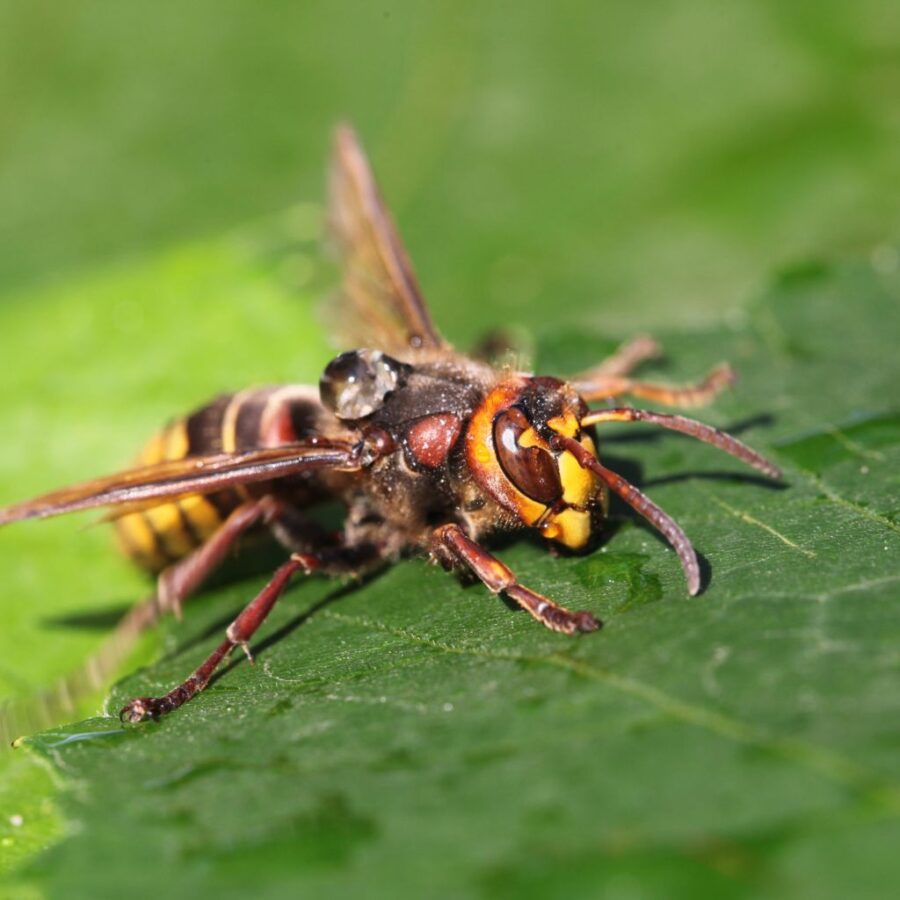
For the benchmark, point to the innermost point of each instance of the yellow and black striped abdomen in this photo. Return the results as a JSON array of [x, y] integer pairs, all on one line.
[[158, 536], [259, 417]]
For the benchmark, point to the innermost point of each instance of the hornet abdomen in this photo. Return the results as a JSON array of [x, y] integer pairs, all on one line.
[[259, 417]]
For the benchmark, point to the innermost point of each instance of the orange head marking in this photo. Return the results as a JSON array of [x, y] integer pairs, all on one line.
[[508, 446]]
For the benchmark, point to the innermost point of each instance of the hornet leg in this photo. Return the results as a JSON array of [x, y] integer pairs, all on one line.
[[238, 634], [174, 585], [610, 379], [627, 358], [500, 579], [179, 581]]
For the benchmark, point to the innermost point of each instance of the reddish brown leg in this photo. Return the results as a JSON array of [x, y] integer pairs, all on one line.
[[182, 579], [238, 634], [630, 355], [699, 394], [610, 378], [174, 585], [500, 579]]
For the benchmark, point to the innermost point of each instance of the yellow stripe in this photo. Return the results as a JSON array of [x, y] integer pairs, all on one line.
[[165, 520], [139, 541], [229, 429], [155, 535], [229, 420], [172, 530], [175, 441], [153, 452], [203, 516]]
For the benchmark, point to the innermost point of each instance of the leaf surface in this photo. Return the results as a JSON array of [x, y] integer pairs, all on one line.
[[418, 734]]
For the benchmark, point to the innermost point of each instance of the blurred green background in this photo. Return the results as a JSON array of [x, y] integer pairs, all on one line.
[[557, 161], [585, 170]]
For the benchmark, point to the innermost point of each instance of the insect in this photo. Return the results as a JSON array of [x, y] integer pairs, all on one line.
[[429, 451]]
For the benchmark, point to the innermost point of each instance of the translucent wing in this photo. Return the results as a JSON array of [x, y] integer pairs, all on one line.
[[380, 303], [193, 475]]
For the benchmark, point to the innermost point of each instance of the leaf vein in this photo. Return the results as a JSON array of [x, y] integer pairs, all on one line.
[[860, 510], [752, 520], [825, 762]]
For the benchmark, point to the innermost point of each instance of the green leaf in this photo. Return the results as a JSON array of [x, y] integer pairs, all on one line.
[[415, 737], [585, 175]]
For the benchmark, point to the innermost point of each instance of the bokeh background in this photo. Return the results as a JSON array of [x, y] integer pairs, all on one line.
[[582, 170], [596, 156]]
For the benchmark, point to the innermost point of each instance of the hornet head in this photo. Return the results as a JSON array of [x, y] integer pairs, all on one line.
[[513, 452]]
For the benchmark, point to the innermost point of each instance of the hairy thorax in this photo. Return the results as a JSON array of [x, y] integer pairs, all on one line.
[[425, 480]]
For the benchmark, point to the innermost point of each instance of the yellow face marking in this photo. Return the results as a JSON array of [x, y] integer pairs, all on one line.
[[530, 510], [551, 530], [566, 424], [579, 485], [529, 438], [571, 528]]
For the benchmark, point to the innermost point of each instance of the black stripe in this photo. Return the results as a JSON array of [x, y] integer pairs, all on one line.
[[158, 543], [224, 502], [188, 526], [204, 427], [304, 415], [249, 418], [204, 433]]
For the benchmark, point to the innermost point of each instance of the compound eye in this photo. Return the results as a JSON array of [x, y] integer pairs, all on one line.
[[355, 384], [532, 470]]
